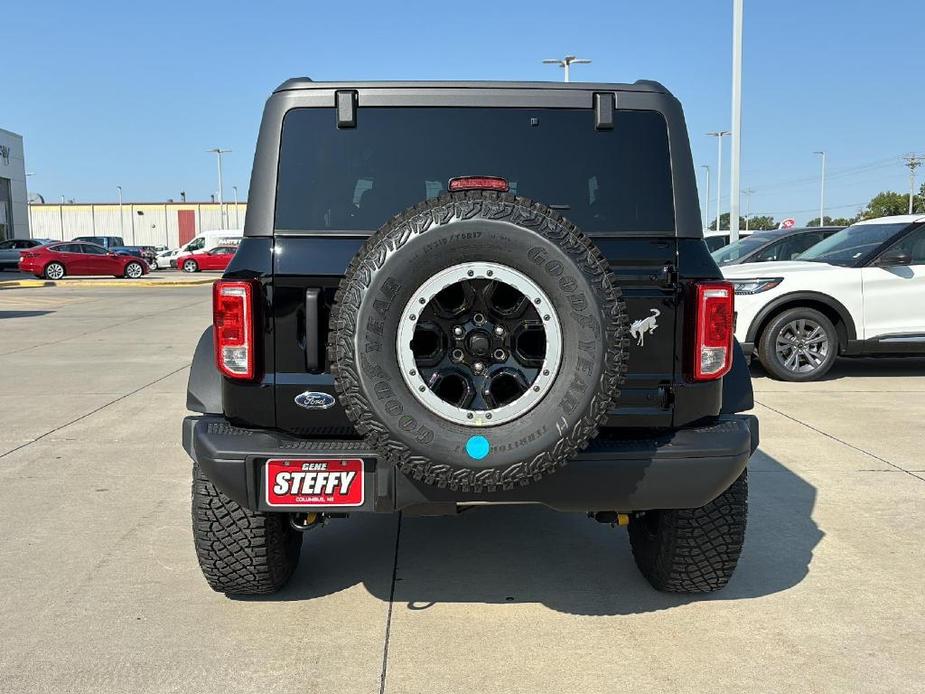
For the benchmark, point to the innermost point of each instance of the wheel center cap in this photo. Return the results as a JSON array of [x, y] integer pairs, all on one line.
[[479, 344]]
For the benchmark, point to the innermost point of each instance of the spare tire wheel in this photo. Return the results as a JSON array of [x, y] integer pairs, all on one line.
[[477, 341]]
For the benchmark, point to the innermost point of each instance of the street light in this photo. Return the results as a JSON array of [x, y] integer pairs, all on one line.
[[121, 220], [565, 62], [218, 155], [237, 219], [706, 199], [737, 8], [29, 203], [822, 191], [719, 135]]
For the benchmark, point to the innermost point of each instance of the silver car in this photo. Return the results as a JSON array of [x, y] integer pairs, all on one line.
[[9, 251]]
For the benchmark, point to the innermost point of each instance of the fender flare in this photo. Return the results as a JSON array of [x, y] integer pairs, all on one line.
[[204, 388], [737, 384], [796, 297]]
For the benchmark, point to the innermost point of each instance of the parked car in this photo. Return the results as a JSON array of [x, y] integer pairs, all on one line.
[[718, 239], [859, 292], [56, 260], [477, 338], [144, 252], [10, 249], [768, 246], [215, 259], [205, 241], [107, 242]]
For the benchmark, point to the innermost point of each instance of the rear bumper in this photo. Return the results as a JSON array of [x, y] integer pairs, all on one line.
[[685, 468]]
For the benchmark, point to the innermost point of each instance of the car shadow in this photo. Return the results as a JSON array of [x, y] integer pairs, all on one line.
[[530, 554], [863, 367], [23, 314]]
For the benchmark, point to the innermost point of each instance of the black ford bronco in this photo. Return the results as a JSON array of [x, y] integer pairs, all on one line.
[[455, 294]]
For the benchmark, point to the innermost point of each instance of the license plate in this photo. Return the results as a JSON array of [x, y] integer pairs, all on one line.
[[314, 483]]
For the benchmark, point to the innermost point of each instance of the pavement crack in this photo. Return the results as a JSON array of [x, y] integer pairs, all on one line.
[[388, 620], [911, 473], [94, 411]]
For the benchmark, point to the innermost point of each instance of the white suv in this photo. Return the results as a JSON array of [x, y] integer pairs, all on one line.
[[859, 292]]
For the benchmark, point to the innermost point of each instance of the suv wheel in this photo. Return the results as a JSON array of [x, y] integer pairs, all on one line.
[[241, 552], [800, 344], [692, 550]]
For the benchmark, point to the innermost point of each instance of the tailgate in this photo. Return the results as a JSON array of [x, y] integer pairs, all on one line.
[[308, 270]]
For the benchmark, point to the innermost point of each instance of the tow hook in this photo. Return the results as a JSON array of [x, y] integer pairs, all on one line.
[[611, 517], [312, 519], [305, 521]]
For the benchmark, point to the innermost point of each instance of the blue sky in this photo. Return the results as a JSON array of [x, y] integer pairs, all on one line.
[[134, 93]]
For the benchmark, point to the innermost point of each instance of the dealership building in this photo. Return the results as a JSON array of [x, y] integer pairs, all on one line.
[[14, 217], [169, 224]]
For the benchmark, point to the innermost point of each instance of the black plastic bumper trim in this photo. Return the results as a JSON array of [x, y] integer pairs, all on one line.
[[685, 468]]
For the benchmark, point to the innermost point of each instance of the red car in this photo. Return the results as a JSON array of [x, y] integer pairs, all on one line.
[[216, 259], [56, 260]]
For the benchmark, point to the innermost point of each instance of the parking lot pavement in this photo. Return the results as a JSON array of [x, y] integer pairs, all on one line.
[[100, 592], [164, 276]]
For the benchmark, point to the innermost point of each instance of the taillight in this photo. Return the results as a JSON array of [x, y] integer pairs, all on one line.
[[714, 330], [233, 325], [478, 183]]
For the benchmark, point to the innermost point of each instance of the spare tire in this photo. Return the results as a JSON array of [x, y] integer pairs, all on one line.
[[477, 341]]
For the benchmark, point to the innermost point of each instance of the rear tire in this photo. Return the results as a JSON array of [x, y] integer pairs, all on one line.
[[692, 550], [54, 271], [800, 344], [241, 552]]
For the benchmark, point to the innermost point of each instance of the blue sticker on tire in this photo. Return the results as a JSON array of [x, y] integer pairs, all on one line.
[[477, 447]]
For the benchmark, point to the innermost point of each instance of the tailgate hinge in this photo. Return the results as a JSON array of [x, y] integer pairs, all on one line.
[[668, 277]]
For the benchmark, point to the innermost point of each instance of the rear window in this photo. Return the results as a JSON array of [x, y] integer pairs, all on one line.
[[354, 179]]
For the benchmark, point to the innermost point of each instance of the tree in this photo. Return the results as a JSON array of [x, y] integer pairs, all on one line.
[[833, 221], [761, 223], [885, 204], [724, 222], [756, 223]]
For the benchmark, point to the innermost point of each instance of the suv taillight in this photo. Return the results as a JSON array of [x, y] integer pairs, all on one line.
[[233, 325], [714, 329]]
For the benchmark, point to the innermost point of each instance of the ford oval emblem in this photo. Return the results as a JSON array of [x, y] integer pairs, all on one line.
[[312, 400]]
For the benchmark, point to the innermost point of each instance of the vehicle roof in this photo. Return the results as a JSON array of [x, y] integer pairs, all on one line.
[[895, 219], [779, 233], [637, 86]]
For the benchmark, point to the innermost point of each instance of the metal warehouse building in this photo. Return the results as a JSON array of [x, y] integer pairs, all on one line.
[[139, 224], [13, 217]]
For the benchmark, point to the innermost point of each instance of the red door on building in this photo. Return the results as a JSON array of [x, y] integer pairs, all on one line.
[[186, 223]]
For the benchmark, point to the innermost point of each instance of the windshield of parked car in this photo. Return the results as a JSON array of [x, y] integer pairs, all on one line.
[[852, 246], [741, 248]]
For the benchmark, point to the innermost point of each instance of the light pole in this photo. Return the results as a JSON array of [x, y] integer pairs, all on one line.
[[29, 201], [748, 200], [237, 219], [706, 199], [121, 219], [565, 62], [822, 191], [737, 7], [719, 135], [221, 200]]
